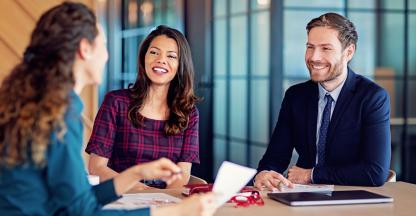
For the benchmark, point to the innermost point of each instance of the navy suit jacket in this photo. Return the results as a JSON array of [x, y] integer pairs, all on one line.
[[358, 147]]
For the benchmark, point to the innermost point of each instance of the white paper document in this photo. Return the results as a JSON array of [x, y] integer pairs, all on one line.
[[141, 200], [231, 178], [305, 188]]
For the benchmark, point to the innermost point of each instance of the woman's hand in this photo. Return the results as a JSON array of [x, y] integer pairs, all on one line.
[[196, 205], [162, 168], [139, 187]]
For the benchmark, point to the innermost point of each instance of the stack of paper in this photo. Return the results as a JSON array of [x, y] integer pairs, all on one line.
[[231, 178], [141, 200], [305, 188]]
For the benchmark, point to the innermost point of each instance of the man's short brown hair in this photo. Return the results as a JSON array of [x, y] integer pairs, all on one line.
[[347, 34]]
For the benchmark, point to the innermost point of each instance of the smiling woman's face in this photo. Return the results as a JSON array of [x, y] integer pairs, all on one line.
[[162, 60]]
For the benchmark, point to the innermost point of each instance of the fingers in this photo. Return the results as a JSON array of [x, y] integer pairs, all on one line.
[[278, 182], [170, 172], [162, 168], [257, 180], [162, 173], [258, 184], [171, 178], [140, 187], [282, 179], [207, 198], [271, 184], [286, 182], [167, 164], [264, 180], [271, 180], [207, 204]]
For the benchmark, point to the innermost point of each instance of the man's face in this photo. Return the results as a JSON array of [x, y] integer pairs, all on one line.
[[325, 58]]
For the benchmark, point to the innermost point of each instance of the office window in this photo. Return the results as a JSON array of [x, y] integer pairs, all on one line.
[[128, 23], [380, 56], [386, 53], [393, 4], [241, 80], [315, 3], [295, 37], [368, 4], [365, 59]]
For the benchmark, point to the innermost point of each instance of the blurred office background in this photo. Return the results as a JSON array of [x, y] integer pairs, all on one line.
[[248, 52]]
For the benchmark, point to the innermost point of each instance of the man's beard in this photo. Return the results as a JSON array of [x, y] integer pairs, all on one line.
[[334, 72]]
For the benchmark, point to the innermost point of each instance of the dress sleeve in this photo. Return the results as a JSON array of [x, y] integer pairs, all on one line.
[[66, 178], [190, 148], [104, 131]]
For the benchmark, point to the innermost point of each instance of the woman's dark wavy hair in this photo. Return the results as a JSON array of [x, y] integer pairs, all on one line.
[[35, 95], [181, 97]]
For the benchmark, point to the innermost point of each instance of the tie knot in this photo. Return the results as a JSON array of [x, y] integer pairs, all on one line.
[[328, 98]]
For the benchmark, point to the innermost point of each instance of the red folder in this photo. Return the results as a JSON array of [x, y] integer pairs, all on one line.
[[196, 188], [203, 188]]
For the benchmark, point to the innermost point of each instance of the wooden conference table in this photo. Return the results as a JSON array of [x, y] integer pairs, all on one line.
[[404, 195]]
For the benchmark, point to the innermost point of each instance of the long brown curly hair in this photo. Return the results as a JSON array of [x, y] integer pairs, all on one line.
[[181, 98], [35, 95]]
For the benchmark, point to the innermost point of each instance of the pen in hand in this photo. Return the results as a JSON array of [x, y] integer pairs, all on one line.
[[173, 177], [177, 173]]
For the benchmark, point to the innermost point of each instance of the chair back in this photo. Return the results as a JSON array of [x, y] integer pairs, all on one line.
[[391, 177], [196, 180]]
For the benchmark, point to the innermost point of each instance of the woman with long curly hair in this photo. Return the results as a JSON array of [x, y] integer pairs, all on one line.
[[155, 117], [41, 168]]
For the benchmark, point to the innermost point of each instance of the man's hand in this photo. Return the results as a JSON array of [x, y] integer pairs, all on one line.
[[299, 175], [270, 180]]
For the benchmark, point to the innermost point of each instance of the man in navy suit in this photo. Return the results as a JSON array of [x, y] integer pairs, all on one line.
[[338, 122]]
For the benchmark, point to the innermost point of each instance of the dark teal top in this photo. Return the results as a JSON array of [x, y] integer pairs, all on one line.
[[61, 187]]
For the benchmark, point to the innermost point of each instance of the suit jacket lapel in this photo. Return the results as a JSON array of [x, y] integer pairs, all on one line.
[[343, 101], [312, 109]]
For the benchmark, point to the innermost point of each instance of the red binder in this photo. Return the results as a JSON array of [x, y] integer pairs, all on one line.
[[203, 188], [247, 196], [196, 188]]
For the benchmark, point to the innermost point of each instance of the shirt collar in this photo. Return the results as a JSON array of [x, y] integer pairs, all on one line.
[[334, 94]]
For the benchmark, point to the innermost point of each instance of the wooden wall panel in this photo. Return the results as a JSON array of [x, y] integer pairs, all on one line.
[[10, 59], [15, 27], [37, 7], [17, 20]]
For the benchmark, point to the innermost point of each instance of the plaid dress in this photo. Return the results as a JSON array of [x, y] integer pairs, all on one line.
[[114, 136]]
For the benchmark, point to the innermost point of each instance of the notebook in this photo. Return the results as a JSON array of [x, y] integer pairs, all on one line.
[[329, 198]]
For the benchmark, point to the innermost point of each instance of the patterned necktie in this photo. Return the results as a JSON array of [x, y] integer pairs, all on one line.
[[326, 117]]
